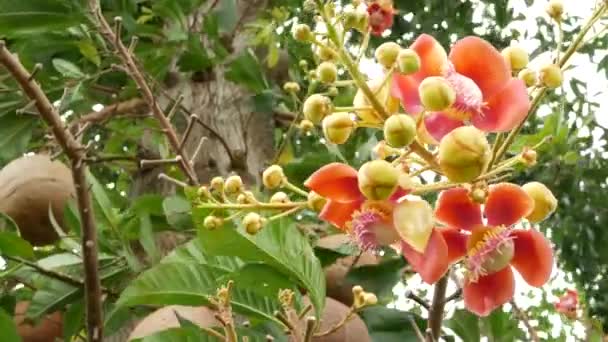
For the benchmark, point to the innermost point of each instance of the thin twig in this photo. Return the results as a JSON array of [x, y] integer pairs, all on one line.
[[410, 295], [454, 296], [134, 72], [339, 325], [128, 106], [436, 311], [526, 320], [77, 153]]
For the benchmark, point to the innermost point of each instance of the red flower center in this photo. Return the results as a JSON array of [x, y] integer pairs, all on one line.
[[380, 17], [490, 249], [469, 98], [372, 227]]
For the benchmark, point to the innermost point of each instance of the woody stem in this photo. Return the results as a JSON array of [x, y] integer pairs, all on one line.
[[436, 311]]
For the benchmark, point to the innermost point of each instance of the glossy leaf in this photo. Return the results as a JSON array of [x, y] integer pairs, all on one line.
[[8, 328], [390, 325]]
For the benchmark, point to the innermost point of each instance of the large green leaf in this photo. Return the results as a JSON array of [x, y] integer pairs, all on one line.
[[8, 329], [379, 279], [15, 134], [187, 334], [390, 325], [177, 210], [465, 325], [281, 245], [36, 16], [190, 283], [245, 70]]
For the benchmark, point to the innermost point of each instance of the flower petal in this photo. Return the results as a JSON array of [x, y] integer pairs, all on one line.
[[433, 58], [413, 221], [489, 292], [433, 263], [433, 61], [338, 213], [505, 110], [438, 124], [478, 60], [455, 208], [405, 88], [533, 256], [335, 181], [456, 242], [506, 204]]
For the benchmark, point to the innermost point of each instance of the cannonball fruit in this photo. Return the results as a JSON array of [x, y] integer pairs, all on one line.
[[28, 186], [47, 329], [335, 274], [165, 318]]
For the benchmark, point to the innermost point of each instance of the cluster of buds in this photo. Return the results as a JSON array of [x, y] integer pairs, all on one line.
[[363, 299]]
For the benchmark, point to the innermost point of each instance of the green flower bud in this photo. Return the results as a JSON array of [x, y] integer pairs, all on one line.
[[302, 33], [233, 185], [408, 61], [551, 76], [386, 54], [463, 154], [516, 57], [436, 94], [378, 179], [528, 76], [338, 127], [327, 72], [273, 177], [399, 130], [316, 107]]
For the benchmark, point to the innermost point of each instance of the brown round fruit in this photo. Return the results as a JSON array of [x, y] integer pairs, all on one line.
[[165, 318], [28, 186], [47, 329], [353, 331], [335, 274]]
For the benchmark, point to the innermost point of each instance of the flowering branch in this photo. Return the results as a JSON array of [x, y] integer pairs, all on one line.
[[77, 154], [436, 311]]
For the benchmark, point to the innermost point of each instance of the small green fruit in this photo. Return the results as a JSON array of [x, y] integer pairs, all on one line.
[[378, 179], [436, 94], [399, 130], [463, 154]]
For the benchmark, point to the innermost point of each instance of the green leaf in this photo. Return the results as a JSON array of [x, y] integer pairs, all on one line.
[[227, 16], [193, 252], [73, 320], [177, 210], [8, 328], [379, 279], [89, 51], [281, 245], [465, 325], [13, 245], [102, 201], [329, 256], [245, 70], [391, 325], [35, 16], [52, 295], [67, 68], [15, 135], [188, 334], [501, 326], [146, 237], [191, 284], [261, 279]]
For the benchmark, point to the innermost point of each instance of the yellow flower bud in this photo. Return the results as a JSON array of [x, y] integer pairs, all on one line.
[[370, 299], [233, 185], [529, 157], [436, 94], [306, 125], [302, 33], [279, 197], [273, 177], [338, 127], [516, 57], [291, 87], [382, 91], [378, 179], [463, 154], [399, 130], [203, 192], [303, 64], [217, 184], [528, 76], [253, 222], [383, 151], [326, 53], [315, 201], [246, 197], [555, 9], [332, 91], [327, 72], [544, 201], [212, 222], [386, 54], [408, 61], [316, 107], [551, 76]]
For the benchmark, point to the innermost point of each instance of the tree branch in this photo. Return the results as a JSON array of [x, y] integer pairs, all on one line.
[[77, 153], [133, 70], [436, 312], [128, 106], [526, 320]]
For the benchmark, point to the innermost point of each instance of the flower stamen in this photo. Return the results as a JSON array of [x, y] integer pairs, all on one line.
[[490, 251], [371, 226]]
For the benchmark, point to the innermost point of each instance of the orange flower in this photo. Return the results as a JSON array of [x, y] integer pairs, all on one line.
[[369, 222], [568, 303], [486, 93], [491, 246], [380, 16]]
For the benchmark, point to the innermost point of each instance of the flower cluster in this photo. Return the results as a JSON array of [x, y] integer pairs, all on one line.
[[437, 112]]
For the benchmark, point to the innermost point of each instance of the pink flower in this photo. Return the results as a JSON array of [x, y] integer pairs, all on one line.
[[487, 96]]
